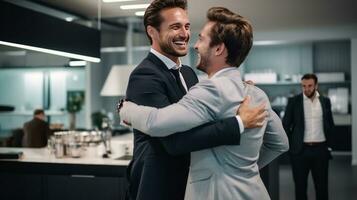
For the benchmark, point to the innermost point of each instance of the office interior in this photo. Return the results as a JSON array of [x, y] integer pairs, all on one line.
[[291, 38]]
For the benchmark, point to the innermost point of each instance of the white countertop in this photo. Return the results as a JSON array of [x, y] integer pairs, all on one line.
[[92, 155]]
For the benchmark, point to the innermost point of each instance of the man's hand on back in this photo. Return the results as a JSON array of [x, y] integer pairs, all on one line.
[[252, 117]]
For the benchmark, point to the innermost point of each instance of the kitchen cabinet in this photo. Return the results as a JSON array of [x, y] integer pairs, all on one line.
[[21, 186], [52, 181], [86, 187]]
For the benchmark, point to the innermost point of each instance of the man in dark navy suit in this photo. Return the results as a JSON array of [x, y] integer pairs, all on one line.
[[309, 123], [159, 168]]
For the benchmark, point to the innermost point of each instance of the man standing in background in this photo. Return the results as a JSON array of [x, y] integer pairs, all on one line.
[[36, 131], [308, 122]]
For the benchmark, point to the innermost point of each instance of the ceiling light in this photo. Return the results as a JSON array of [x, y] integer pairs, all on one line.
[[134, 6], [50, 51], [268, 42], [115, 1], [140, 13], [77, 63], [69, 19]]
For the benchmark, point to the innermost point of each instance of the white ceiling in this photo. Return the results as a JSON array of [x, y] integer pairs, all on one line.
[[265, 15]]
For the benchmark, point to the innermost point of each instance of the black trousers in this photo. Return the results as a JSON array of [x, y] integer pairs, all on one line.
[[315, 159]]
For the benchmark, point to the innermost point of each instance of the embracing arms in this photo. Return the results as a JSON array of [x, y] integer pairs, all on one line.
[[149, 90], [200, 105]]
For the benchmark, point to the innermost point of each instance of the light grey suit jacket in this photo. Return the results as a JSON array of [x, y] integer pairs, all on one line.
[[224, 172]]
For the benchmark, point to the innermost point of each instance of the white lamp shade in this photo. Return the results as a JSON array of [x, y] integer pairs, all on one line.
[[117, 81]]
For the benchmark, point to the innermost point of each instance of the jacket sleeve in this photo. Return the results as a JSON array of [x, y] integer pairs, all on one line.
[[150, 90], [289, 116], [329, 120], [329, 113], [275, 141], [200, 105]]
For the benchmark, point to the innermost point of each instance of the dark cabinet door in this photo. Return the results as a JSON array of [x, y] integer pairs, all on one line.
[[78, 187], [21, 186]]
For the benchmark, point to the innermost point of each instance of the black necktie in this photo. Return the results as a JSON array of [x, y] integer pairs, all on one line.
[[176, 73]]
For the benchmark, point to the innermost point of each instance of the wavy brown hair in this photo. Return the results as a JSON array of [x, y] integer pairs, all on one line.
[[234, 31]]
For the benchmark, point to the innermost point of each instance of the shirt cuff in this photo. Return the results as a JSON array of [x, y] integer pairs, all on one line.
[[241, 125]]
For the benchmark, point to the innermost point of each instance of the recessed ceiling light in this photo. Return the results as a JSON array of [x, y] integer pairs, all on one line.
[[140, 13], [115, 1], [76, 63], [134, 6], [69, 19], [268, 42]]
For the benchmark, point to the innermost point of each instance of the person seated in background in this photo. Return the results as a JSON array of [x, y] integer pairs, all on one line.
[[36, 131]]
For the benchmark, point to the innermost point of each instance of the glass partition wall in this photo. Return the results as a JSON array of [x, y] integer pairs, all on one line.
[[27, 89]]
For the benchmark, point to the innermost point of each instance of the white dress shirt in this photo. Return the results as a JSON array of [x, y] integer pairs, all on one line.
[[313, 120], [172, 65]]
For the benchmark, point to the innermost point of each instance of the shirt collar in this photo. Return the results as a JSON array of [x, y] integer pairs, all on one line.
[[222, 70], [167, 61], [307, 98]]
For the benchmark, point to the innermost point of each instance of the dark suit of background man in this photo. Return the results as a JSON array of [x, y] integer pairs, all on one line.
[[36, 131], [159, 168], [308, 122]]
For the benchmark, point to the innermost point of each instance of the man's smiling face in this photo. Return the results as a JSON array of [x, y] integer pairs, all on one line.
[[174, 33]]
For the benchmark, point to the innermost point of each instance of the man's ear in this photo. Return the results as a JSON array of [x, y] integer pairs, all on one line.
[[151, 31], [220, 49]]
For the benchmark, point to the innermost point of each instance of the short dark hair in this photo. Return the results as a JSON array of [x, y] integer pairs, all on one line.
[[152, 16], [310, 76], [38, 111], [234, 31]]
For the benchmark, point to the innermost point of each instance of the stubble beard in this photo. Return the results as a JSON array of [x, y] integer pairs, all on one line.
[[169, 49], [312, 94], [202, 62]]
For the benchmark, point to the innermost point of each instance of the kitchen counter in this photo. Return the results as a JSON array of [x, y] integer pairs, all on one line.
[[91, 155], [39, 175]]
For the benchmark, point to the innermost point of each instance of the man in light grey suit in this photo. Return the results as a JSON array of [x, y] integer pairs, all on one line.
[[224, 172]]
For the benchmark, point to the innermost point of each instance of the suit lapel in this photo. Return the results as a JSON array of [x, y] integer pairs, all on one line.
[[301, 107], [323, 106], [170, 79]]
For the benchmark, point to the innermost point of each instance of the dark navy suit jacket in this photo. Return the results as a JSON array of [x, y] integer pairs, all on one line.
[[160, 166], [294, 122]]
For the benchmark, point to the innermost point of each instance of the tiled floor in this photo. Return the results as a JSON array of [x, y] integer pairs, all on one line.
[[342, 181]]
